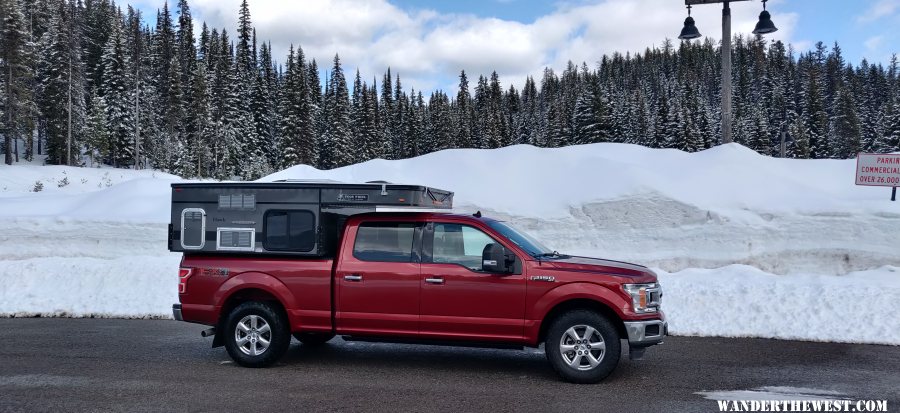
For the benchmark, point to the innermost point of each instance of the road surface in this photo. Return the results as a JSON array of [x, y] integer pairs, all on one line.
[[165, 366]]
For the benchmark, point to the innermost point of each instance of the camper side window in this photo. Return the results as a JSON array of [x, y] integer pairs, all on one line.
[[290, 231]]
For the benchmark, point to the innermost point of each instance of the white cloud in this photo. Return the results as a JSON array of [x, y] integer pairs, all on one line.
[[879, 9], [873, 43], [428, 48]]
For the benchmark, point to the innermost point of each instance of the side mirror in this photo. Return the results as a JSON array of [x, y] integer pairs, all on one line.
[[496, 259]]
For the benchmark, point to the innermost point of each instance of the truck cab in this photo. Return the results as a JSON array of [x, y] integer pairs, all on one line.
[[427, 278]]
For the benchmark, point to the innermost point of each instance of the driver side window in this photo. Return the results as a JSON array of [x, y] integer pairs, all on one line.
[[459, 244]]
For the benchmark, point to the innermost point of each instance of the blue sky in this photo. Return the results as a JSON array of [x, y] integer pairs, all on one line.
[[429, 42], [852, 23]]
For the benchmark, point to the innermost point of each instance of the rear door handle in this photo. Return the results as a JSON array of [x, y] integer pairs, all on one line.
[[434, 280], [353, 277]]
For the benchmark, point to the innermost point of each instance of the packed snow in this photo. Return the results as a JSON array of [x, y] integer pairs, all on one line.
[[745, 245]]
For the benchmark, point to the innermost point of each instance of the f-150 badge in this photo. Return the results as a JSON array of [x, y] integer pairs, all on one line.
[[547, 278]]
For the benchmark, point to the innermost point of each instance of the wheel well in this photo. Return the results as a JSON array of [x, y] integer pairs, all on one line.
[[242, 296], [581, 304]]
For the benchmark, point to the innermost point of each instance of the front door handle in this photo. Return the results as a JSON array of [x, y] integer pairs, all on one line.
[[434, 280], [353, 277]]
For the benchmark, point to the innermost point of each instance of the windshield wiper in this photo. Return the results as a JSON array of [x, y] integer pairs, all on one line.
[[548, 254]]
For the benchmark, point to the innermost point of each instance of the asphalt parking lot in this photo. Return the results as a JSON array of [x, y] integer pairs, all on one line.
[[165, 366]]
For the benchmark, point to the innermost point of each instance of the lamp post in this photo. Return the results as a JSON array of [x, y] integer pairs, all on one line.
[[690, 31]]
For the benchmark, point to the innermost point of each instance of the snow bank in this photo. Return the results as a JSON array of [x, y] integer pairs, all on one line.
[[97, 246], [742, 301], [527, 181]]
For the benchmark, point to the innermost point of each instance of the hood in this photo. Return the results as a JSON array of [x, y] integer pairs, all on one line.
[[596, 265]]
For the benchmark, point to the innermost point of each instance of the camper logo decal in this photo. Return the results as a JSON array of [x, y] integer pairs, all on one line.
[[352, 197]]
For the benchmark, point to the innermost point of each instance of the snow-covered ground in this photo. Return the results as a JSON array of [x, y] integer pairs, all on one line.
[[745, 245]]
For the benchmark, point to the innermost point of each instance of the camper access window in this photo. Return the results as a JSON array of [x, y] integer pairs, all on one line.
[[384, 241], [290, 231]]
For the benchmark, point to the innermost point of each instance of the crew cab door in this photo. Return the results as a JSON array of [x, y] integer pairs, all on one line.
[[377, 279], [459, 299]]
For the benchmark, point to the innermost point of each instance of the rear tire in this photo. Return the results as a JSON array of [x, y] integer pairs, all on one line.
[[582, 346], [256, 334], [313, 339]]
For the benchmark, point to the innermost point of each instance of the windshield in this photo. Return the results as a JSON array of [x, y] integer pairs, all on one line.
[[523, 240]]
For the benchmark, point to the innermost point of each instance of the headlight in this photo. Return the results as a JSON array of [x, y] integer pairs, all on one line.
[[645, 298]]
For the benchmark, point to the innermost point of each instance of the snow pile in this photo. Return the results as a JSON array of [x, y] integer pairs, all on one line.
[[84, 249], [741, 301], [67, 180]]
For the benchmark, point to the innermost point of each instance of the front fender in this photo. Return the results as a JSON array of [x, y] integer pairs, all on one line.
[[567, 292], [579, 290]]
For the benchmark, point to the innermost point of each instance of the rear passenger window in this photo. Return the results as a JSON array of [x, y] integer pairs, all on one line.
[[385, 242], [290, 231]]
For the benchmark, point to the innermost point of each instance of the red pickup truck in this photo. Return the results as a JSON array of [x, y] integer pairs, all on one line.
[[419, 277]]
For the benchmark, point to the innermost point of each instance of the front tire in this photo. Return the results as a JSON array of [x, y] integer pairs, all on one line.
[[256, 334], [582, 346]]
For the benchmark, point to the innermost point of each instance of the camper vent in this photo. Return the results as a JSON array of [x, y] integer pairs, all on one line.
[[238, 201], [235, 239]]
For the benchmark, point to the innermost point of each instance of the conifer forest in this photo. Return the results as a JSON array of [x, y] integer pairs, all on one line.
[[90, 82]]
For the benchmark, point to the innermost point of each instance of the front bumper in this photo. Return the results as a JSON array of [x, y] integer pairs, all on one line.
[[176, 312], [646, 333]]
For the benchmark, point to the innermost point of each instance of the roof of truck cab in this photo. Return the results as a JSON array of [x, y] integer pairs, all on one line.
[[422, 216]]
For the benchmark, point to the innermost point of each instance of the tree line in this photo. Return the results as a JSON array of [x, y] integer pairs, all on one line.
[[88, 82]]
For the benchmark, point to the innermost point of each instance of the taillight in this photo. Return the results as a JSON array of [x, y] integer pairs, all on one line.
[[183, 274]]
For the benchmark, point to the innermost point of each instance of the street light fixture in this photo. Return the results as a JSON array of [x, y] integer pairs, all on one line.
[[690, 28], [765, 25], [690, 31]]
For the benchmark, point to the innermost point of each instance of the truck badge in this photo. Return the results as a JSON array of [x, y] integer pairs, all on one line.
[[547, 278]]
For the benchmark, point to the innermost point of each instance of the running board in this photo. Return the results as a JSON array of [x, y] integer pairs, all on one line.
[[434, 342]]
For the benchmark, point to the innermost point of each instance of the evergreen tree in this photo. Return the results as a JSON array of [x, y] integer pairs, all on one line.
[[114, 85], [845, 126], [335, 149], [61, 86], [15, 56], [98, 138], [465, 115]]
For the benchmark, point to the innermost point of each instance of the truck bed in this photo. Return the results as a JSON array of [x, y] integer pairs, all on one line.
[[302, 284]]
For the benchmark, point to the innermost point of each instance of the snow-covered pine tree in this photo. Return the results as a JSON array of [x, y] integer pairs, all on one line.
[[99, 17], [845, 127], [439, 128], [316, 103], [61, 86], [889, 140], [98, 139], [496, 133], [336, 150], [357, 118], [398, 121], [115, 86], [528, 131], [16, 67], [368, 141], [464, 112]]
